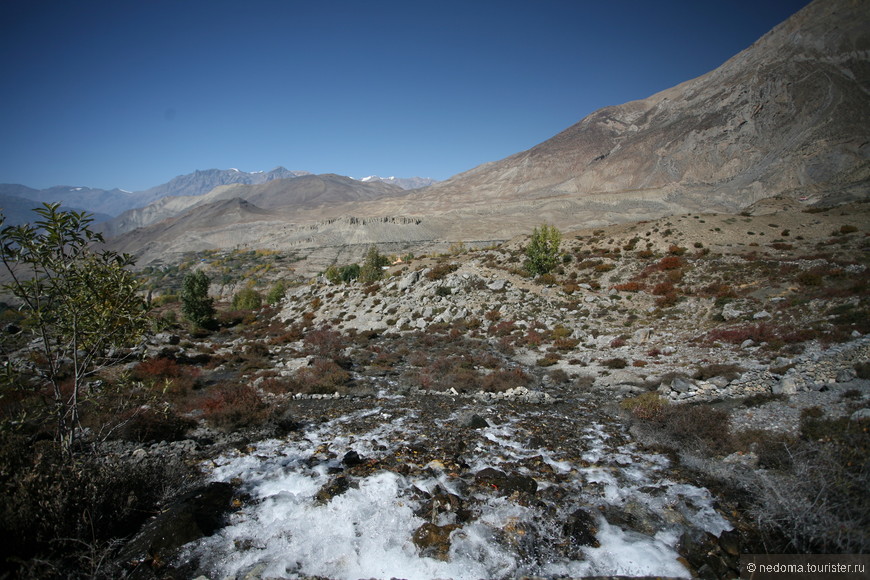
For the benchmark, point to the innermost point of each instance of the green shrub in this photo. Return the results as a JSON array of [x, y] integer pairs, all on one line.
[[247, 299], [196, 306], [276, 292], [542, 253], [349, 273], [372, 268], [332, 274]]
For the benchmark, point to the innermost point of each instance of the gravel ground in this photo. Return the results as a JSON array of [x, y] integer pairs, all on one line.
[[784, 415]]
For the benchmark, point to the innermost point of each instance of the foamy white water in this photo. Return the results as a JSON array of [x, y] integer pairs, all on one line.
[[366, 532]]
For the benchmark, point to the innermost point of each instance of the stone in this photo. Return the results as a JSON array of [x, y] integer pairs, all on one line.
[[581, 529], [860, 415], [847, 375], [747, 343], [336, 486], [505, 484], [761, 315], [472, 421], [620, 377], [167, 338], [719, 382], [434, 541], [787, 386], [642, 335], [196, 514], [352, 459], [729, 541], [682, 385], [730, 312], [497, 285]]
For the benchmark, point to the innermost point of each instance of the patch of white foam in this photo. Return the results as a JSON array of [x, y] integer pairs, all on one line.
[[366, 532]]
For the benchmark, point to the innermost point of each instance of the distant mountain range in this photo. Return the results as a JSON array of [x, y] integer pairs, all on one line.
[[303, 192], [17, 200]]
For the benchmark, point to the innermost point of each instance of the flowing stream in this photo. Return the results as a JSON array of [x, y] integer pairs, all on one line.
[[398, 491]]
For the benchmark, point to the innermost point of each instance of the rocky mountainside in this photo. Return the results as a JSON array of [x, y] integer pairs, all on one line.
[[788, 115]]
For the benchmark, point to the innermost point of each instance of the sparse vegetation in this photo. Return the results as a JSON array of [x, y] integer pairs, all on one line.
[[629, 317]]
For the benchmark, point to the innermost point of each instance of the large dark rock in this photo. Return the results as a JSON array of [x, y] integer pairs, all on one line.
[[505, 483], [581, 528], [196, 514]]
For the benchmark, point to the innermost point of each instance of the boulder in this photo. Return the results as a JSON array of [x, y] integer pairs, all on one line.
[[472, 421], [847, 375], [434, 541], [581, 528], [787, 385], [642, 335], [730, 312], [504, 483], [196, 514], [682, 385]]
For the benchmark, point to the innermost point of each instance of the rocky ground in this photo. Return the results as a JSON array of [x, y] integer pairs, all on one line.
[[641, 404]]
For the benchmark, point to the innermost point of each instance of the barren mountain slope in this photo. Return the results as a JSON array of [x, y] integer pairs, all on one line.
[[790, 112]]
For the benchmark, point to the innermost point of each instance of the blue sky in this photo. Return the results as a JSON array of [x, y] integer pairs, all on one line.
[[131, 93]]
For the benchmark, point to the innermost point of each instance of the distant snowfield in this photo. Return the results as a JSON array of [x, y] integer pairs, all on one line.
[[367, 531]]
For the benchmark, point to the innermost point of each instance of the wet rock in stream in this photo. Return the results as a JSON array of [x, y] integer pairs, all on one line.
[[505, 483]]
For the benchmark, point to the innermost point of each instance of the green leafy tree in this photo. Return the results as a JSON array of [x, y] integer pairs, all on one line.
[[196, 305], [543, 250], [276, 292], [82, 304], [349, 273], [247, 299], [333, 274], [372, 268]]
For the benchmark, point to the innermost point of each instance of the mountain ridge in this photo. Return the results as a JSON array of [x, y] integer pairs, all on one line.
[[306, 191]]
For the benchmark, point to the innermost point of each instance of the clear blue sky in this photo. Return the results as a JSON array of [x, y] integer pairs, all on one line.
[[130, 93]]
